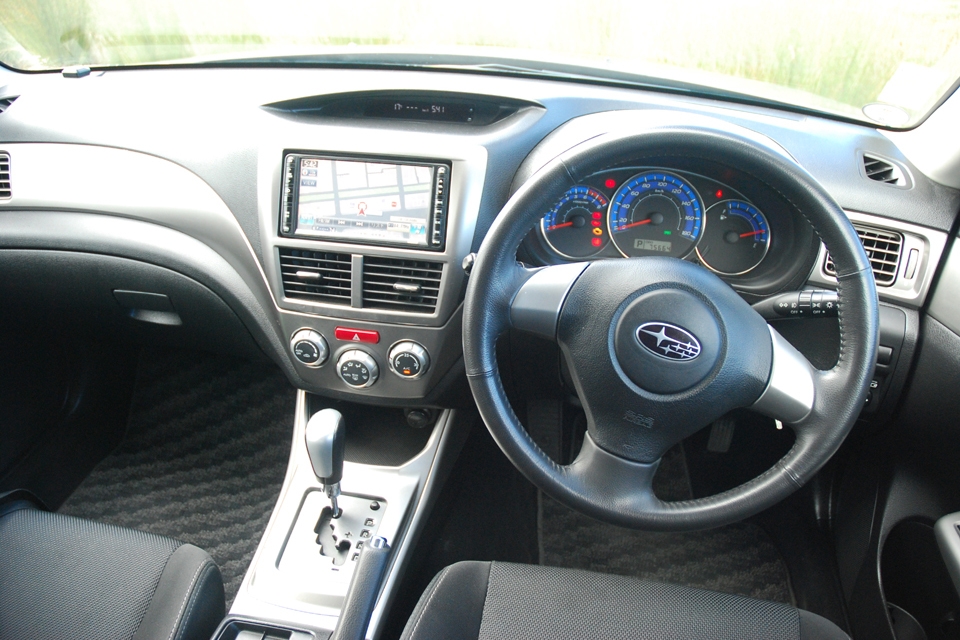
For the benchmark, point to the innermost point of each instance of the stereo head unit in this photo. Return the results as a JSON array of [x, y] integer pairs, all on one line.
[[366, 201]]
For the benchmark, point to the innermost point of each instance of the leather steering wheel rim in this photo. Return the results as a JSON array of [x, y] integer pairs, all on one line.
[[605, 484]]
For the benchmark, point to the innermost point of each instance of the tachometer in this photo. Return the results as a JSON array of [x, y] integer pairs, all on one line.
[[736, 239], [655, 213], [574, 227]]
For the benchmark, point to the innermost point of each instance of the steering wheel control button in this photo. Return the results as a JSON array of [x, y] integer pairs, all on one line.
[[667, 341], [356, 335], [358, 369], [408, 360], [309, 348]]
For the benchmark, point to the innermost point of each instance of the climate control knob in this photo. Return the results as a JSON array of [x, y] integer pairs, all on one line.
[[309, 347], [357, 368], [408, 359]]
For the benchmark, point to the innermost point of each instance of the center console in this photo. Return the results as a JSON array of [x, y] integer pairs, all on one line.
[[363, 244]]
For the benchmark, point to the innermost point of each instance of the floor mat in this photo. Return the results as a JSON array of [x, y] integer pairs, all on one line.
[[739, 558], [203, 459]]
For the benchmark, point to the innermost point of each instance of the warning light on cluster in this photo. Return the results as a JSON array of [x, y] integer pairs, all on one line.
[[597, 215], [596, 242], [610, 183], [719, 193]]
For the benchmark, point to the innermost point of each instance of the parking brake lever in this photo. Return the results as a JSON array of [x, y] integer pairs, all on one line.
[[325, 445], [364, 588]]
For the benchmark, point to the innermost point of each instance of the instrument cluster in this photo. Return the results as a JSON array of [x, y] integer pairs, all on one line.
[[637, 212]]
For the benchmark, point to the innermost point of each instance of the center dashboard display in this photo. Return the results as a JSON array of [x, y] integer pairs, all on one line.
[[365, 201]]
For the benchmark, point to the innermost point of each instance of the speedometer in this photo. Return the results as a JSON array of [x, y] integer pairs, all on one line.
[[655, 213]]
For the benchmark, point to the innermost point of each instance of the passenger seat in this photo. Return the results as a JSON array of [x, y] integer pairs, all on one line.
[[65, 577]]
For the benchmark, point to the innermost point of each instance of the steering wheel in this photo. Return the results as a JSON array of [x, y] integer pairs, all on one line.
[[703, 350]]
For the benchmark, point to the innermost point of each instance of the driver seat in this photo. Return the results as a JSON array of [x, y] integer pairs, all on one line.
[[495, 600]]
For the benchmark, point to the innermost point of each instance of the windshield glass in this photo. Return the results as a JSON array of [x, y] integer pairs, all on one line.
[[884, 62]]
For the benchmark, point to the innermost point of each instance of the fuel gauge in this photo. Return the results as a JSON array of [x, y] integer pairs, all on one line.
[[575, 227], [736, 238]]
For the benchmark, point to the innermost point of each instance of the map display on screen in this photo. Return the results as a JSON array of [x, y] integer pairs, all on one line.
[[366, 201]]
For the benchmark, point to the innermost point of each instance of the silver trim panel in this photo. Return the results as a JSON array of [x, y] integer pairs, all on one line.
[[270, 595], [791, 390], [920, 255], [468, 168]]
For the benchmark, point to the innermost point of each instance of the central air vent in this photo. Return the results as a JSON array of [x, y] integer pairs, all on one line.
[[401, 285], [5, 189], [884, 171], [883, 250], [6, 102], [315, 276]]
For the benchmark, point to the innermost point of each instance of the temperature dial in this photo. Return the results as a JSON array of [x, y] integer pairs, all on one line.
[[358, 369], [408, 360], [309, 347]]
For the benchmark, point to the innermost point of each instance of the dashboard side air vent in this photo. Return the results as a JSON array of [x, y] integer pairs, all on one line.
[[5, 189], [6, 102], [883, 250], [316, 276], [401, 285], [881, 170]]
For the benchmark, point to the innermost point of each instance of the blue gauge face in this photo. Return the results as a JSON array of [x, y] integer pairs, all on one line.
[[655, 213], [736, 239], [574, 227]]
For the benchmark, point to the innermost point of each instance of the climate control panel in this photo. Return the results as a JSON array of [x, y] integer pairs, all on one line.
[[358, 360]]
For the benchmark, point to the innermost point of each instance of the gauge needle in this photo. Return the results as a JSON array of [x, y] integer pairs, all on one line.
[[635, 224], [560, 226], [752, 233]]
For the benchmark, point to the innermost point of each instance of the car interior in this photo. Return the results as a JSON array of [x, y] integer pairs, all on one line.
[[305, 350]]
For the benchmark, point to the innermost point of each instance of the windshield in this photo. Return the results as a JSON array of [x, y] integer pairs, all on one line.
[[884, 62]]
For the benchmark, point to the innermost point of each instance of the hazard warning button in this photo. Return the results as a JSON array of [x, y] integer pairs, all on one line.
[[357, 335]]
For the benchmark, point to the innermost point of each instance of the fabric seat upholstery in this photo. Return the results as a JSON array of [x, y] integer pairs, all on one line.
[[64, 577], [482, 600]]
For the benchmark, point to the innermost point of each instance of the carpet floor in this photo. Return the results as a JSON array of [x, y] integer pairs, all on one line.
[[739, 559], [203, 459]]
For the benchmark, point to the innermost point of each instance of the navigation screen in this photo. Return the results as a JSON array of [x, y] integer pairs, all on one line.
[[371, 201]]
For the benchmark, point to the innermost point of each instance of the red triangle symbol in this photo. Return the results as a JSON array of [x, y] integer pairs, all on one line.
[[356, 337]]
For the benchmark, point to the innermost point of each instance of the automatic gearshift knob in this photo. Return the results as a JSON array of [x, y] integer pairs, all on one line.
[[325, 442]]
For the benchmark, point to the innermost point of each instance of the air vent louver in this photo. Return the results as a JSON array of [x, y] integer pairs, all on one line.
[[884, 171], [316, 276], [6, 102], [883, 250], [401, 285], [5, 188]]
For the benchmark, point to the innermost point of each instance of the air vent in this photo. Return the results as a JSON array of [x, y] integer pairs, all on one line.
[[884, 171], [401, 285], [883, 250], [316, 276], [5, 189], [6, 102]]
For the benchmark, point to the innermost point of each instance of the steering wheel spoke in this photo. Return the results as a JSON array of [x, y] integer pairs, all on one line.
[[536, 307], [791, 391]]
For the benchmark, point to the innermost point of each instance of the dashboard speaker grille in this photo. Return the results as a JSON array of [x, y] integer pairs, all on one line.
[[401, 285], [316, 276], [6, 190], [883, 250]]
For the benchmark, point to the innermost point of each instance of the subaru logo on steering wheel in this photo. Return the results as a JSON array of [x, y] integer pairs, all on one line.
[[668, 341]]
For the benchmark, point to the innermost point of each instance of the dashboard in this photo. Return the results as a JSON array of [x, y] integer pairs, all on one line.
[[293, 214]]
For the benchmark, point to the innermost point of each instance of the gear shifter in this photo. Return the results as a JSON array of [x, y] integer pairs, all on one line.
[[325, 443]]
